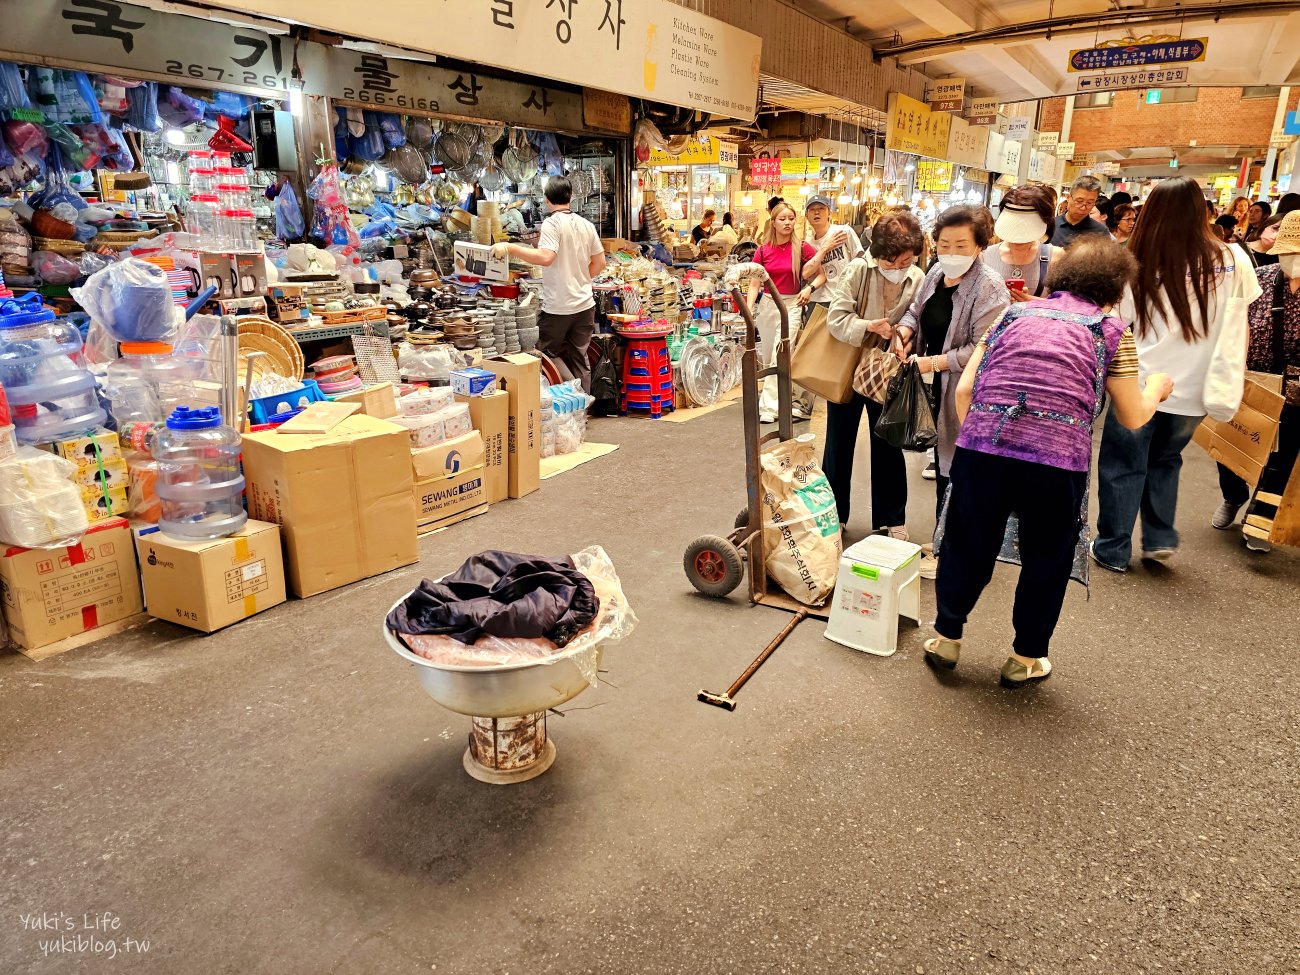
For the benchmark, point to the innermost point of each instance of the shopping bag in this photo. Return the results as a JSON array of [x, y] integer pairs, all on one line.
[[821, 363], [906, 421]]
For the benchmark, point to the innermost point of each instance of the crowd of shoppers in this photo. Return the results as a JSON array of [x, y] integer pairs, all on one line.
[[1027, 327]]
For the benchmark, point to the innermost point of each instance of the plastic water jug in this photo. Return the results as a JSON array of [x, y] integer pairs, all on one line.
[[199, 483], [51, 393], [147, 383]]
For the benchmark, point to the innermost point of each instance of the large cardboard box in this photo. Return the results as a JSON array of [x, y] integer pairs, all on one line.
[[520, 376], [491, 417], [342, 499], [1243, 443], [449, 481], [208, 584], [50, 594], [378, 401]]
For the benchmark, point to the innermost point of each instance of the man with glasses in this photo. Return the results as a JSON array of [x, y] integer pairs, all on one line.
[[1077, 220]]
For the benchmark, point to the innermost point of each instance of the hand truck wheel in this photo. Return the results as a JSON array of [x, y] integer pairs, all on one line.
[[713, 565]]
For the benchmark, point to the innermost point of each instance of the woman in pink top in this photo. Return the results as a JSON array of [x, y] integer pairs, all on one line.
[[778, 256]]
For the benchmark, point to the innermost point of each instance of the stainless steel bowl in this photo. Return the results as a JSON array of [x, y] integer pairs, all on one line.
[[500, 692]]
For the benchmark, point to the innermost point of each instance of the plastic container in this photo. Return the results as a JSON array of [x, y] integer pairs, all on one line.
[[265, 409], [427, 400], [51, 393], [425, 431], [199, 483], [203, 220], [147, 383]]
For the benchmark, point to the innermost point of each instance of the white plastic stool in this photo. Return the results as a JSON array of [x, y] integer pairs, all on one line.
[[879, 580]]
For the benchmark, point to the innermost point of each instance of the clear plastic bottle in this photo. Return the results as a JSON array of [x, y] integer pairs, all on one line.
[[199, 483], [43, 371], [203, 220], [147, 383]]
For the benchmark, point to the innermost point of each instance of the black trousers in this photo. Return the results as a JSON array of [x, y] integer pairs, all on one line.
[[888, 470], [1276, 473], [985, 491]]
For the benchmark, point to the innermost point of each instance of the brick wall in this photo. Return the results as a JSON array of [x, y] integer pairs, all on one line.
[[1218, 117]]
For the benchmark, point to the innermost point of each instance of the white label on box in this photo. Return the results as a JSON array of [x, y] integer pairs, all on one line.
[[253, 571], [246, 581]]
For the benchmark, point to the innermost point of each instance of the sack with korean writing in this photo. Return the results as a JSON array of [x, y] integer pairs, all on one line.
[[801, 526]]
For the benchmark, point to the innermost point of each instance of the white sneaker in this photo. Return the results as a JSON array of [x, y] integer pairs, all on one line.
[[929, 566], [767, 418], [931, 471]]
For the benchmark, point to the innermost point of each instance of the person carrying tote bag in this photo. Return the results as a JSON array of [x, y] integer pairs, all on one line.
[[872, 295]]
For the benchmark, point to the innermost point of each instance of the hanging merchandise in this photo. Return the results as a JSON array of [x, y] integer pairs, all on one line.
[[370, 145], [226, 139], [57, 188], [178, 109], [288, 214], [132, 299], [26, 138], [227, 104], [142, 110], [13, 93], [419, 132], [63, 96], [390, 128]]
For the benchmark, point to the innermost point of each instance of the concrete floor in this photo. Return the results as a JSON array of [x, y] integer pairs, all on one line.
[[282, 797]]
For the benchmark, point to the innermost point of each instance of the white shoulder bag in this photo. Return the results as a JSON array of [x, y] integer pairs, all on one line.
[[1225, 381]]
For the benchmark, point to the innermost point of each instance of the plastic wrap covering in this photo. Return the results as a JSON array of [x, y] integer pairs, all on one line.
[[701, 375], [40, 505], [133, 300], [288, 214], [614, 620], [54, 268], [739, 275], [428, 362]]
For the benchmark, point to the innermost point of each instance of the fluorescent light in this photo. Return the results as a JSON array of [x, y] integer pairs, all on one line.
[[295, 99], [805, 190], [175, 136], [173, 172], [747, 200]]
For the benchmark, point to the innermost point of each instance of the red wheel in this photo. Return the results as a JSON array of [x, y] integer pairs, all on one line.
[[713, 565]]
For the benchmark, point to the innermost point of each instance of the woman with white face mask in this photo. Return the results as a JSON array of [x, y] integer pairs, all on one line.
[[872, 294], [1274, 348], [958, 301]]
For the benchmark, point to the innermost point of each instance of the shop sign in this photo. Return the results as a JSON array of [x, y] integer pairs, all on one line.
[[993, 154], [606, 110], [1012, 153], [913, 128], [1110, 169], [800, 167], [1065, 150], [967, 144], [1280, 139], [764, 171], [398, 85], [933, 177], [1018, 129], [1047, 140], [652, 49], [1292, 124], [709, 152], [984, 111], [1042, 166], [1090, 161], [141, 42], [1117, 54], [947, 95], [1160, 78]]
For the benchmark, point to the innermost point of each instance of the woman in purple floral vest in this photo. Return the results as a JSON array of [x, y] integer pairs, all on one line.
[[1026, 403]]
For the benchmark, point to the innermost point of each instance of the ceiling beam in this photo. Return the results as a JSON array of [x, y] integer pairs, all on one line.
[[1282, 52], [949, 16], [1025, 67]]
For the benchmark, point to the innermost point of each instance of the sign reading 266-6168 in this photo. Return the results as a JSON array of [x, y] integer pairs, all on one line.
[[1120, 55]]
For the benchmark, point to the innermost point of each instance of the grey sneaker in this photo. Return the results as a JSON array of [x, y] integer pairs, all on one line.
[[1262, 545], [1159, 554], [1225, 516]]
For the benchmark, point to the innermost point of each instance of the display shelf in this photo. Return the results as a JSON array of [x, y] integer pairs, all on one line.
[[327, 332]]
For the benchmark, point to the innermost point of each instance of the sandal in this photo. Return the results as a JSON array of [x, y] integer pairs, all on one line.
[[942, 652], [1016, 674]]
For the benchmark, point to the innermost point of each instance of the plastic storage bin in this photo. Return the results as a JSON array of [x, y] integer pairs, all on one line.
[[199, 484], [51, 393], [147, 383]]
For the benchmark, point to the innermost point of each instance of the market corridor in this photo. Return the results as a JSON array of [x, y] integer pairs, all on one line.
[[282, 797]]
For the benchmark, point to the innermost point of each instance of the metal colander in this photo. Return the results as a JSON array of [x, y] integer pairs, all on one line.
[[699, 370]]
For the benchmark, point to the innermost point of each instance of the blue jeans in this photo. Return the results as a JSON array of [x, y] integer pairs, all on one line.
[[1137, 471]]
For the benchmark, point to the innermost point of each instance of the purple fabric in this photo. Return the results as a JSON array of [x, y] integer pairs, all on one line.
[[1040, 383]]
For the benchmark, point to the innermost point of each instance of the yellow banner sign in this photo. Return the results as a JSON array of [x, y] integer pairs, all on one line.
[[800, 167], [913, 128], [934, 177], [712, 152]]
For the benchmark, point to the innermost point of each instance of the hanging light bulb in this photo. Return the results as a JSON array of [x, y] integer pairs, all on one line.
[[843, 198], [854, 202], [929, 201], [747, 200], [972, 195], [857, 178], [892, 201], [916, 197], [959, 185], [839, 177], [874, 181], [805, 190], [873, 192], [910, 168]]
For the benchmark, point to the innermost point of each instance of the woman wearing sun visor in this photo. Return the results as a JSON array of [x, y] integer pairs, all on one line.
[[1022, 255]]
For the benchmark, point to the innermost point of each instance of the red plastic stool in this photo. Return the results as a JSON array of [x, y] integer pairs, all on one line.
[[647, 376]]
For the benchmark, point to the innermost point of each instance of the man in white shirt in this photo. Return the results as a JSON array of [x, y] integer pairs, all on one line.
[[836, 245], [570, 254]]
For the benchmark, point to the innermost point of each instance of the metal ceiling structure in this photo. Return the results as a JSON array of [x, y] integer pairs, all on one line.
[[1019, 49]]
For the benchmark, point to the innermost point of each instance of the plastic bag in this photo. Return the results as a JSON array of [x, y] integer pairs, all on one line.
[[54, 268], [13, 93], [6, 156], [40, 505], [64, 96], [142, 107], [906, 421], [179, 109], [57, 190], [133, 300], [25, 138], [801, 526], [289, 224], [25, 168], [370, 146], [615, 620], [230, 105], [390, 128]]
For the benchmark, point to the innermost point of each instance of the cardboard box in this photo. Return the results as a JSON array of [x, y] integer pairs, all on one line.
[[218, 270], [520, 375], [473, 382], [52, 594], [1243, 443], [476, 260], [491, 418], [206, 585], [89, 451], [342, 499], [377, 401], [250, 270], [449, 480], [101, 504]]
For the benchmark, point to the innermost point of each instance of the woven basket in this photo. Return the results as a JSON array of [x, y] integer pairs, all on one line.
[[114, 238], [64, 247], [283, 354], [45, 224]]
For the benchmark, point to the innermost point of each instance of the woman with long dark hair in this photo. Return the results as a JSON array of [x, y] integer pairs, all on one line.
[[1178, 304]]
